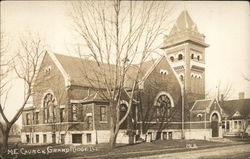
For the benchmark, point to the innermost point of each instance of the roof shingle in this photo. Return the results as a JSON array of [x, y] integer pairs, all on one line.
[[89, 73], [230, 107], [201, 104]]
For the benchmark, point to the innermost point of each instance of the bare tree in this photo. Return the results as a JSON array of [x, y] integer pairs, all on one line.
[[118, 34], [224, 93], [155, 113], [25, 65]]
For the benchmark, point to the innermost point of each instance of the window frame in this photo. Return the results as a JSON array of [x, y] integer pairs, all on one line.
[[62, 114], [198, 57], [75, 139], [235, 124], [44, 138], [28, 138], [180, 57], [28, 119], [74, 112], [89, 122], [88, 137], [37, 117], [62, 138], [103, 115], [37, 138], [171, 58], [160, 108], [239, 124], [192, 56], [46, 107]]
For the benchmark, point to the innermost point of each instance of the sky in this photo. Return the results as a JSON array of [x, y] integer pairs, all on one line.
[[225, 25]]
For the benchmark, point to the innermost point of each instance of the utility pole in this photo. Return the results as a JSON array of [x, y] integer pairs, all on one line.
[[183, 104]]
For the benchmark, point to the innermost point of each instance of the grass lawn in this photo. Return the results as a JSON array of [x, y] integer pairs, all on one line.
[[121, 151]]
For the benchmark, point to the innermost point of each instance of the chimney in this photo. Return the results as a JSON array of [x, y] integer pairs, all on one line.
[[241, 95]]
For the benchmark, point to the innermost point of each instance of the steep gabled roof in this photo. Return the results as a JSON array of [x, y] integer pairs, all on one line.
[[133, 69], [231, 107], [83, 72], [87, 73], [182, 31], [184, 22]]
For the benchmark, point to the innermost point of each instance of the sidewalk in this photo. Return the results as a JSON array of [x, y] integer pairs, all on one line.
[[142, 154], [226, 152]]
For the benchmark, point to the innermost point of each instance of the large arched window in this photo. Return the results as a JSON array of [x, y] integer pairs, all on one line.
[[163, 106], [49, 107]]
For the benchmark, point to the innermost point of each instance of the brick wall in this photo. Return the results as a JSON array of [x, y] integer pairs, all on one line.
[[153, 85]]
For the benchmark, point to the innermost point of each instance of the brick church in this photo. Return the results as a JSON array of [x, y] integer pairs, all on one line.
[[170, 101]]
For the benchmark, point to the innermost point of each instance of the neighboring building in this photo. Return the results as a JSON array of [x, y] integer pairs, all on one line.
[[236, 117], [169, 102]]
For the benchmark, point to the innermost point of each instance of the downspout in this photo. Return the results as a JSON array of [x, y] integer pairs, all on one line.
[[182, 111], [183, 90]]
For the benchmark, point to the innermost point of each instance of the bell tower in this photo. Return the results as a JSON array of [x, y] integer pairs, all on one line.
[[185, 48]]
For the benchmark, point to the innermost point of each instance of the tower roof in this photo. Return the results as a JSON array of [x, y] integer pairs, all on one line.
[[184, 30], [184, 22]]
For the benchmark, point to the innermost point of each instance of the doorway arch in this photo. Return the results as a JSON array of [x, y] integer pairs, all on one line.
[[215, 118]]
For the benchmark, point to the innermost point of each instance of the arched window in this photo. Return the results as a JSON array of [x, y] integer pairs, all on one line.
[[181, 77], [199, 116], [180, 57], [192, 56], [172, 58], [198, 57], [163, 106], [49, 108]]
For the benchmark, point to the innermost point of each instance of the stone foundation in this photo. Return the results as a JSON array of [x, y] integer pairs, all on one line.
[[198, 134]]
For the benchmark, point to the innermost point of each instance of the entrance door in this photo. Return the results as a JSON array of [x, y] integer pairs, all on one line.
[[215, 125]]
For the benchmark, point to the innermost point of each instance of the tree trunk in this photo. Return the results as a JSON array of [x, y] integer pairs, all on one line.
[[112, 141], [5, 139], [113, 134]]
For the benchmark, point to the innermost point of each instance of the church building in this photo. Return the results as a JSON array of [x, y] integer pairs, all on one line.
[[170, 100]]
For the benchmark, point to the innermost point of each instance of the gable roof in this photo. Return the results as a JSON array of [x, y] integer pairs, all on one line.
[[87, 73], [148, 67], [230, 107], [201, 105], [83, 72], [132, 71]]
